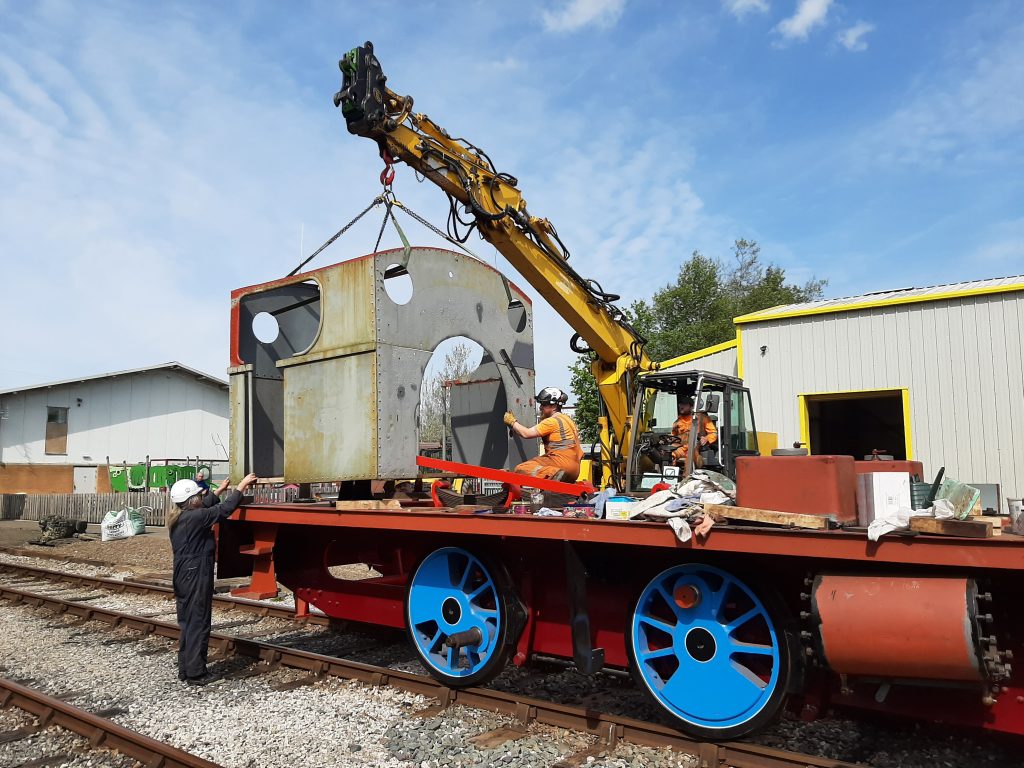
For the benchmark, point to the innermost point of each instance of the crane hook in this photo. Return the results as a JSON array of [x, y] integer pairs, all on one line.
[[388, 174]]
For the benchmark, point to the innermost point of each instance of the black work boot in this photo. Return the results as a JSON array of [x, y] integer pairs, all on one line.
[[204, 679]]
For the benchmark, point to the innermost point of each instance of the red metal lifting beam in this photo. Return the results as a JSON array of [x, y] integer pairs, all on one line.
[[504, 476]]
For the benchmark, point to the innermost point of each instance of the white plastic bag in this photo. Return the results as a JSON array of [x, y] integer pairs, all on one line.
[[116, 525], [899, 520], [137, 519]]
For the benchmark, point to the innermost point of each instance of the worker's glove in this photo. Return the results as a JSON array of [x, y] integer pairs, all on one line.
[[509, 419]]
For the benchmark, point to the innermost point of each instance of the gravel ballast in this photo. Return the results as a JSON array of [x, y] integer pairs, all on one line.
[[408, 740], [248, 722]]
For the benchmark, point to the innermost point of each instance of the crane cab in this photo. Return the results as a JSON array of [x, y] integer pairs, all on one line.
[[721, 413]]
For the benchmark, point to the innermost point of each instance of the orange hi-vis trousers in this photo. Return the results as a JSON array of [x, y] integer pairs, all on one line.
[[562, 451], [547, 465]]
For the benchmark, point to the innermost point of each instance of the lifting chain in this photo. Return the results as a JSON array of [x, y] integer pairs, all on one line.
[[375, 202], [387, 197]]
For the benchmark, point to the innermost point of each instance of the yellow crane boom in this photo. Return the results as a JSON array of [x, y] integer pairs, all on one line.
[[529, 243]]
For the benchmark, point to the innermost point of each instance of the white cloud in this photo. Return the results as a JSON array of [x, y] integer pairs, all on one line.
[[1003, 246], [969, 110], [134, 192], [146, 175], [577, 14], [809, 15], [507, 64], [610, 228], [852, 39], [740, 8]]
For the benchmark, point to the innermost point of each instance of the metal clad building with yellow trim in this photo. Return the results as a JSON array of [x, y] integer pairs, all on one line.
[[720, 358], [935, 374]]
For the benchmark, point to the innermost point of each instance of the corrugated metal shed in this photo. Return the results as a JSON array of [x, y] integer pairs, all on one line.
[[172, 366], [721, 358], [953, 353], [890, 298], [166, 411]]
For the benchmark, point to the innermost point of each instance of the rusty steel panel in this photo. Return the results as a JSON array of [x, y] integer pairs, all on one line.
[[454, 295], [238, 415], [464, 297], [898, 627], [399, 377], [346, 310], [348, 314], [338, 390], [478, 438], [330, 420]]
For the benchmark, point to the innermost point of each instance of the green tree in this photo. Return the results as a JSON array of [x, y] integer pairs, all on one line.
[[696, 311], [435, 397], [588, 407]]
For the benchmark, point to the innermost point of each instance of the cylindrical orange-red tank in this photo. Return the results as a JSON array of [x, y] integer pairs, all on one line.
[[899, 626]]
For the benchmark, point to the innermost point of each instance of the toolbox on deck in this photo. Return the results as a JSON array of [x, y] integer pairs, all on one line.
[[810, 485]]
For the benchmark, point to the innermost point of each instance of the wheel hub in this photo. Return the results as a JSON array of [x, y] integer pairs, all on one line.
[[451, 611], [700, 644], [455, 616], [708, 650]]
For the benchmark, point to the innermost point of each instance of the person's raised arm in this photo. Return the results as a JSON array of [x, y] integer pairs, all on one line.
[[519, 429], [232, 499]]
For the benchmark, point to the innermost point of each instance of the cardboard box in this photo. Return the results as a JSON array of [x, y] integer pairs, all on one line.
[[618, 508], [880, 493]]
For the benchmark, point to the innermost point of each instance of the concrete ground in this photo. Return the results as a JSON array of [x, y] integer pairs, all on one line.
[[15, 533], [148, 551]]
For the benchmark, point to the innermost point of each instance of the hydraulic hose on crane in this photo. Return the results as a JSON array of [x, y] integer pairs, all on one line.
[[531, 244]]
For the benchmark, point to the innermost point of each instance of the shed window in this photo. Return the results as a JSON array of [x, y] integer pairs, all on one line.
[[56, 431]]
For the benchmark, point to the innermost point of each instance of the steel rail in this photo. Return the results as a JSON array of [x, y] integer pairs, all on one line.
[[100, 731], [22, 552], [125, 586], [609, 728]]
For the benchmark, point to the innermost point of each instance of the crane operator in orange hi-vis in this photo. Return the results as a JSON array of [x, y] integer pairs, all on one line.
[[562, 450], [681, 430]]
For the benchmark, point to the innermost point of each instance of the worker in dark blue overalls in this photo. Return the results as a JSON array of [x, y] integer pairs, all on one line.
[[190, 526]]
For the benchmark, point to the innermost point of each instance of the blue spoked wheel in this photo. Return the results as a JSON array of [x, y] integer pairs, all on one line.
[[457, 613], [711, 651]]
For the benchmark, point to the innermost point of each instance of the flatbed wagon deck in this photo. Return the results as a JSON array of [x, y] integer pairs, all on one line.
[[719, 630], [1002, 552]]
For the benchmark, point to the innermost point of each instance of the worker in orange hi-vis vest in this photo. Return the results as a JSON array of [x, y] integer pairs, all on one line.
[[681, 430], [562, 450]]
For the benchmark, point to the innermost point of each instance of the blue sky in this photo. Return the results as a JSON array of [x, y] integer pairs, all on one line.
[[155, 156]]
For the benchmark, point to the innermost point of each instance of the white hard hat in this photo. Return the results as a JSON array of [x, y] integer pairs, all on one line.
[[183, 490], [552, 395]]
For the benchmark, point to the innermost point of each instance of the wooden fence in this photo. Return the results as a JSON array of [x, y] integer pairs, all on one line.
[[90, 507], [12, 505]]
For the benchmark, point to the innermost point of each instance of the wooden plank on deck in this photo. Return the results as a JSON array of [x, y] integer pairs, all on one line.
[[769, 516]]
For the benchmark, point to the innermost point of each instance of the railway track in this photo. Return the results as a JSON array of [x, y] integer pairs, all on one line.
[[128, 586], [609, 729], [100, 731]]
